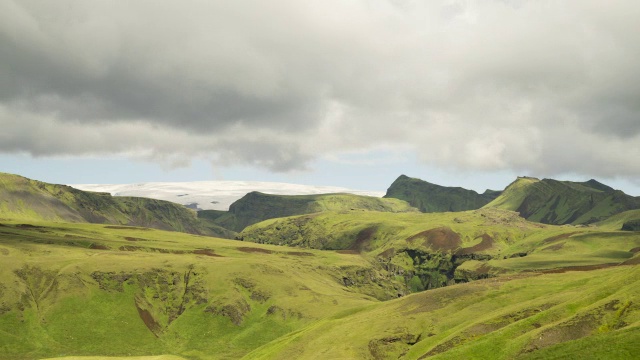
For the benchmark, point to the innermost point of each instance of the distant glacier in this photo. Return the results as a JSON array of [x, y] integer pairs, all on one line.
[[213, 195]]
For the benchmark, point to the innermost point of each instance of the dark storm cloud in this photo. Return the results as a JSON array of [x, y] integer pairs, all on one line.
[[532, 86]]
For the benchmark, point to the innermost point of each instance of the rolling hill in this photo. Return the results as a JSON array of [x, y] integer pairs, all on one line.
[[314, 277], [563, 202], [428, 197], [26, 199], [255, 207]]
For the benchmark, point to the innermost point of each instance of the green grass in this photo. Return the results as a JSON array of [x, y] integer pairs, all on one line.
[[495, 319], [31, 200], [75, 290], [563, 202], [256, 207], [82, 283]]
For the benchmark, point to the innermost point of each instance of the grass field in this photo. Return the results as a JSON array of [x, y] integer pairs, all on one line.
[[105, 290], [80, 289]]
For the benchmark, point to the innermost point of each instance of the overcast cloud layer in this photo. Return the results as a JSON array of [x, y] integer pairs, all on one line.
[[539, 87]]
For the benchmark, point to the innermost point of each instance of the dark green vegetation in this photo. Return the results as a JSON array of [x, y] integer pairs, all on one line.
[[255, 207], [322, 282], [564, 202], [26, 199], [435, 198]]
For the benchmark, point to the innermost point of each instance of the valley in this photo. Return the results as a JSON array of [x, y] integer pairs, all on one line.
[[320, 276]]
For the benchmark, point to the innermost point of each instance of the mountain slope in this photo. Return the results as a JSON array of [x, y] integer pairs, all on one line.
[[563, 202], [434, 250], [429, 197], [529, 316], [26, 199], [255, 207]]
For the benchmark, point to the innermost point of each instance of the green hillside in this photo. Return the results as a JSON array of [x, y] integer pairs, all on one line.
[[346, 277], [439, 249], [26, 199], [105, 290], [435, 198], [529, 316], [255, 207], [563, 202], [86, 289]]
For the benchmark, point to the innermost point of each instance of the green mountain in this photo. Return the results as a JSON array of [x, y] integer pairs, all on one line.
[[255, 207], [435, 198], [26, 199], [563, 202], [69, 289]]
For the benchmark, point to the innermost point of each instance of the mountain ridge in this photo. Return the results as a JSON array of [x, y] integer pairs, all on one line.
[[428, 197], [23, 198], [552, 201]]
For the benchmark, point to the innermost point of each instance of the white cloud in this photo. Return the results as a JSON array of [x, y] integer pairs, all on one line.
[[533, 86]]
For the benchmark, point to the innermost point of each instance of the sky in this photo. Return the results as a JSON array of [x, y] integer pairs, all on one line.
[[344, 93]]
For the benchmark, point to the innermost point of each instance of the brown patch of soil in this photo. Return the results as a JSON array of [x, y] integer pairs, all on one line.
[[363, 239], [634, 250], [254, 250], [486, 244], [98, 247], [554, 247], [435, 299], [207, 252], [119, 227], [387, 254], [148, 320], [632, 261], [559, 237], [351, 252], [29, 226], [438, 239], [383, 348], [129, 238], [299, 253], [577, 268], [129, 248], [443, 347]]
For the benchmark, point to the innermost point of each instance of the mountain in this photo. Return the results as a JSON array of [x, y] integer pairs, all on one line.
[[563, 202], [390, 282], [102, 290], [256, 207], [26, 199], [213, 195], [429, 197]]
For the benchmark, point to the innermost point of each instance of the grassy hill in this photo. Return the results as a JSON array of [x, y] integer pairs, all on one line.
[[563, 202], [428, 251], [86, 289], [26, 199], [529, 316], [435, 198], [104, 290], [255, 207], [323, 283]]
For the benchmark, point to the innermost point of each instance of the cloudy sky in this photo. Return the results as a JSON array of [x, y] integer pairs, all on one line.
[[333, 92]]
